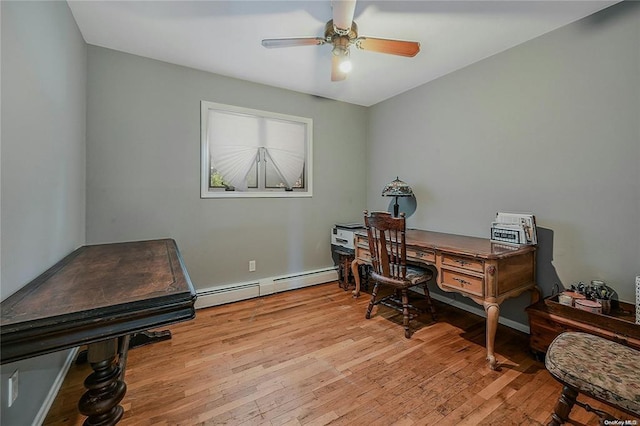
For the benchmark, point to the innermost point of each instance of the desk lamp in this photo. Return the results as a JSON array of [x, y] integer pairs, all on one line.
[[397, 188]]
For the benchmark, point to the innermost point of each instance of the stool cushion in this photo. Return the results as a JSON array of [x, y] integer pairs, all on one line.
[[598, 367]]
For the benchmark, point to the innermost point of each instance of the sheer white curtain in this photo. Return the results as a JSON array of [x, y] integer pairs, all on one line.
[[235, 140]]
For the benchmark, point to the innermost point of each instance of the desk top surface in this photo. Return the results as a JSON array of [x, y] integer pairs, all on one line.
[[462, 244], [114, 288]]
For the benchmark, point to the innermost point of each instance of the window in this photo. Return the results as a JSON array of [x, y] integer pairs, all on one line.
[[252, 153]]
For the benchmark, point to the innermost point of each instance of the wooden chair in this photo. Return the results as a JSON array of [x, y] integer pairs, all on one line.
[[389, 260]]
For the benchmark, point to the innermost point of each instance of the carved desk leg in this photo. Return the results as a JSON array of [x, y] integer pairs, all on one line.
[[535, 294], [105, 389], [356, 277], [493, 312]]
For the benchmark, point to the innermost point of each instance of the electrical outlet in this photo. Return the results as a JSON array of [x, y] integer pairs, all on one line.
[[252, 266], [13, 388]]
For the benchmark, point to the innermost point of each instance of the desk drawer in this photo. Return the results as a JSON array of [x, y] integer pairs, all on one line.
[[362, 242], [463, 262], [418, 255], [363, 254], [466, 283]]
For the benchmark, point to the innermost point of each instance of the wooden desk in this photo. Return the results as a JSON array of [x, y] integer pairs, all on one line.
[[484, 271], [98, 295]]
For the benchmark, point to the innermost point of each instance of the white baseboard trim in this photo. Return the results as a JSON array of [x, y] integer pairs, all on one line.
[[480, 312], [306, 279], [220, 295], [55, 387]]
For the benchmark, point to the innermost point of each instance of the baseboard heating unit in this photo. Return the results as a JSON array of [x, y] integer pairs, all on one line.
[[221, 295]]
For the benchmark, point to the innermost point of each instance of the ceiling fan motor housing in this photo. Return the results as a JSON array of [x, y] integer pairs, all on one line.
[[341, 39]]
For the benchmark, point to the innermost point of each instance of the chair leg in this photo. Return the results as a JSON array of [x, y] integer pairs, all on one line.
[[427, 295], [563, 406], [405, 313], [372, 302]]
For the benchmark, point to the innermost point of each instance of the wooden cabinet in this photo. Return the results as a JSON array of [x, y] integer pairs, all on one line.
[[548, 318]]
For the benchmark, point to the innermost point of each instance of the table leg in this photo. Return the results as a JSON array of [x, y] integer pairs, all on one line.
[[343, 279], [356, 277], [124, 344], [493, 312], [105, 389]]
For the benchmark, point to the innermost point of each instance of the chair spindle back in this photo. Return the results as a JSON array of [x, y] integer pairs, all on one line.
[[387, 244]]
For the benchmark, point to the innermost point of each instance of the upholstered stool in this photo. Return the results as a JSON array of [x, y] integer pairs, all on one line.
[[596, 367]]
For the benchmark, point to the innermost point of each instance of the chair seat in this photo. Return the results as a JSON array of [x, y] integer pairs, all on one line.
[[417, 275], [598, 367]]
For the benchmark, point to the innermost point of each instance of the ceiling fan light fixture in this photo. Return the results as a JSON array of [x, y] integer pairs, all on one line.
[[344, 60], [345, 65], [340, 45]]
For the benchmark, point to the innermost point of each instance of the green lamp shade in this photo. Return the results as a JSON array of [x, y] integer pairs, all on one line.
[[397, 188]]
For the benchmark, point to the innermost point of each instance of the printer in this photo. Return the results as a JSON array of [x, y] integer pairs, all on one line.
[[343, 237], [343, 248]]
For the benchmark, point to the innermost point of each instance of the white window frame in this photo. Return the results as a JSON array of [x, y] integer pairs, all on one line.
[[207, 192]]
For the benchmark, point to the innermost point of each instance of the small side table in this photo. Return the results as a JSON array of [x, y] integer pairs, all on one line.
[[344, 267]]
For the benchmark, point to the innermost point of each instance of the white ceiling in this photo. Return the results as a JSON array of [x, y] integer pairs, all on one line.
[[224, 37]]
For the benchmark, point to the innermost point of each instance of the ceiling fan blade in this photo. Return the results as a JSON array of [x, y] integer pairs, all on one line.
[[292, 42], [336, 74], [343, 11], [393, 47]]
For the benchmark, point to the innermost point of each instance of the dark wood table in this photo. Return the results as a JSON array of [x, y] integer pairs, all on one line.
[[99, 295]]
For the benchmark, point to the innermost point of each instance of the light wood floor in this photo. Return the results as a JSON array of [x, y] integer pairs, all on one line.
[[310, 357]]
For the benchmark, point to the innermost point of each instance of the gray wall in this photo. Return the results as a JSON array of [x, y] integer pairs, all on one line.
[[42, 166], [143, 168], [549, 127]]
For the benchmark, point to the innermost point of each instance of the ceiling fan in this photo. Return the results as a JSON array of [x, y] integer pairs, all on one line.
[[342, 33]]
